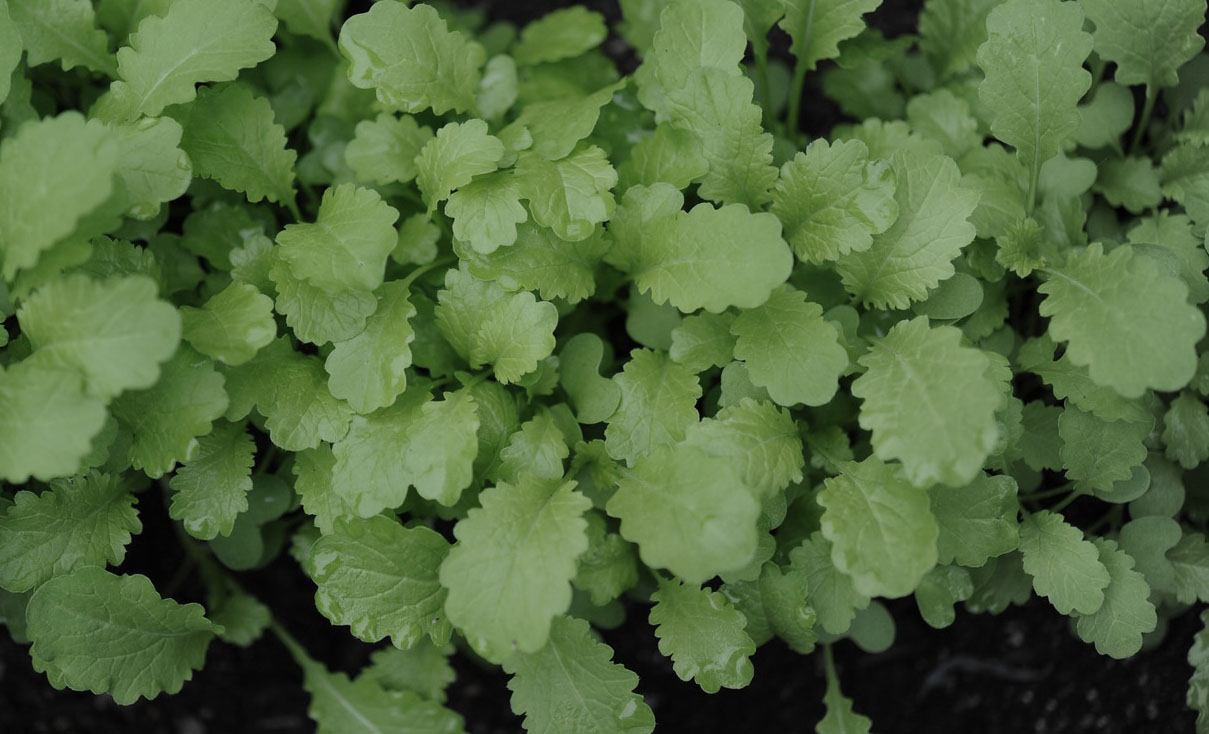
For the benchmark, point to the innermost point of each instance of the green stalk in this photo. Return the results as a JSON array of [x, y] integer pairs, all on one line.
[[1152, 94], [795, 99], [1063, 504], [762, 82], [439, 263]]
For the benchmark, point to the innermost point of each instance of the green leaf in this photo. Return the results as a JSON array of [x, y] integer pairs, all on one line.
[[930, 402], [347, 245], [1125, 320], [1198, 684], [1185, 177], [290, 391], [1190, 562], [671, 155], [1169, 238], [608, 567], [881, 529], [1186, 431], [453, 157], [594, 398], [951, 32], [571, 195], [79, 521], [1033, 61], [53, 172], [690, 259], [195, 41], [831, 592], [384, 149], [410, 58], [540, 260], [380, 579], [1066, 569], [47, 421], [562, 34], [1149, 40], [424, 670], [314, 314], [370, 370], [114, 332], [232, 326], [840, 718], [312, 18], [313, 469], [688, 511], [703, 635], [538, 448], [509, 573], [10, 50], [1106, 117], [978, 521], [343, 706], [760, 438], [704, 340], [816, 27], [167, 418], [487, 325], [485, 212], [940, 589], [915, 254], [1118, 625], [832, 199], [1098, 453], [658, 404], [231, 137], [593, 695], [64, 31], [790, 349], [556, 125], [111, 634], [1131, 183], [428, 444], [211, 489]]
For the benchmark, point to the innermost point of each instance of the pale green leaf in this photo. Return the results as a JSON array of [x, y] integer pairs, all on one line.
[[211, 489], [978, 521], [410, 58], [428, 444], [195, 41], [688, 511], [453, 157], [881, 529], [47, 421], [571, 195], [592, 696], [1117, 626], [833, 198], [703, 635], [930, 402], [63, 31], [370, 370], [80, 521], [1149, 40], [384, 149], [1124, 319], [114, 332], [790, 349], [509, 575], [915, 254], [658, 404], [231, 137], [380, 579], [232, 326], [92, 630], [1066, 569], [347, 245], [562, 34]]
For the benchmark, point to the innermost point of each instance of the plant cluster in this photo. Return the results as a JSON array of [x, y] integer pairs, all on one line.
[[489, 336]]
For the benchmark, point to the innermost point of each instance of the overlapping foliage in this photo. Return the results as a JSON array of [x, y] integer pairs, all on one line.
[[500, 344]]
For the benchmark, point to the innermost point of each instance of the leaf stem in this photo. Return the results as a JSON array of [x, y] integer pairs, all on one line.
[[762, 83], [1147, 110], [292, 204], [1074, 495], [413, 275], [797, 89]]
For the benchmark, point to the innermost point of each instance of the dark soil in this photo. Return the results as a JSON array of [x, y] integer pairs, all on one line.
[[1021, 672]]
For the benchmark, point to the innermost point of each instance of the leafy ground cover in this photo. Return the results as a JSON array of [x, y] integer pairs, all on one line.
[[509, 351]]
